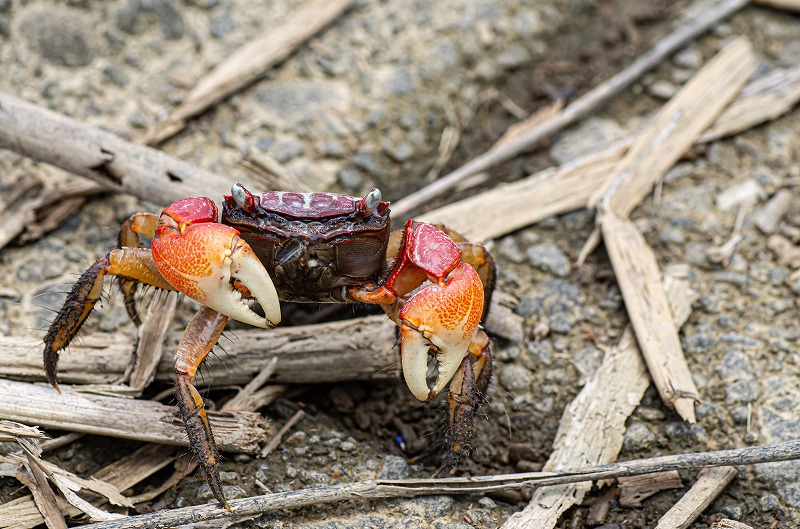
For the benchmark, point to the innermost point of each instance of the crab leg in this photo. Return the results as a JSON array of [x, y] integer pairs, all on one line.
[[135, 225], [197, 341], [135, 264]]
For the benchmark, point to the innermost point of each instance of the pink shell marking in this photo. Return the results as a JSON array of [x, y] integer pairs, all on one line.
[[308, 205]]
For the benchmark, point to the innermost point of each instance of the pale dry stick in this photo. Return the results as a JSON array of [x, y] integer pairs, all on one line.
[[378, 489], [124, 418], [769, 217], [763, 99], [725, 523], [578, 109], [250, 62], [244, 399], [43, 495], [150, 342], [101, 156], [509, 207], [710, 483], [593, 425], [664, 140], [647, 305]]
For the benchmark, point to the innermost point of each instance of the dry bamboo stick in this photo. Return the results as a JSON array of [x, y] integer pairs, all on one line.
[[250, 62], [646, 302], [586, 104], [374, 489], [101, 156], [593, 425], [504, 209], [125, 418], [710, 483], [663, 141]]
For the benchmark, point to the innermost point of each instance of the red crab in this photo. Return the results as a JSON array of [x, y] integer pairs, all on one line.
[[308, 247]]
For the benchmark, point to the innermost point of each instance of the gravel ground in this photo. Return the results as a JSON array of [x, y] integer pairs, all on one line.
[[365, 104]]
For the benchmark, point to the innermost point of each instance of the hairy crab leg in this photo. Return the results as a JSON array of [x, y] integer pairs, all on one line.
[[198, 339], [137, 224], [135, 264], [467, 390]]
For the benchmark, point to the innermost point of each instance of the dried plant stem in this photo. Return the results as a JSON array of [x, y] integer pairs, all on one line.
[[578, 109], [250, 62], [373, 489], [710, 483], [101, 156]]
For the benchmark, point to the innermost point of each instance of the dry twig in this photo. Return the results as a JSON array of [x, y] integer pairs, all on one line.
[[250, 62], [373, 489], [710, 483]]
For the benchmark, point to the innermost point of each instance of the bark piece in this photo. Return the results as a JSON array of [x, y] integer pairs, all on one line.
[[634, 489]]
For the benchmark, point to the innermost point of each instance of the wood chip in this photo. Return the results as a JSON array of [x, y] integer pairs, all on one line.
[[152, 334], [708, 486], [647, 305], [769, 217], [635, 489]]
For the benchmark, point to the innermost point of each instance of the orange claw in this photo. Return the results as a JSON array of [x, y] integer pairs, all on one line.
[[206, 261], [441, 319]]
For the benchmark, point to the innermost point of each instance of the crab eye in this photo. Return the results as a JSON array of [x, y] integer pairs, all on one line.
[[243, 197], [370, 202]]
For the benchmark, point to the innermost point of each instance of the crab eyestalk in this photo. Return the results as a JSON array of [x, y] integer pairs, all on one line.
[[211, 264]]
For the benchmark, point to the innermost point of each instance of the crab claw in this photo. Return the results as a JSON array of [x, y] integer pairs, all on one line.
[[441, 320], [211, 264]]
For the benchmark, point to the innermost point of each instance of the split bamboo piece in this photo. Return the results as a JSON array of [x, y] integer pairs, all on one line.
[[250, 62], [593, 425], [569, 187], [125, 418], [710, 483]]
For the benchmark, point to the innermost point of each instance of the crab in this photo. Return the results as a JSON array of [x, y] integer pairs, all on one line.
[[303, 247]]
